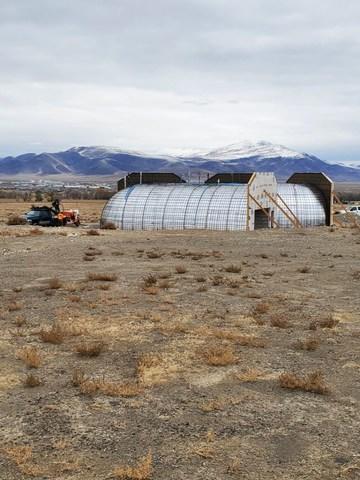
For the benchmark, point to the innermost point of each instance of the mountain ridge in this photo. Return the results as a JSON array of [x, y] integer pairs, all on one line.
[[245, 156]]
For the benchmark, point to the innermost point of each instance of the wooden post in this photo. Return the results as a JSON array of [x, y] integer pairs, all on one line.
[[295, 221], [272, 220]]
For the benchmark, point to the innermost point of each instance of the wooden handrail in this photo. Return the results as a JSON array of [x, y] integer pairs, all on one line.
[[263, 209], [296, 222]]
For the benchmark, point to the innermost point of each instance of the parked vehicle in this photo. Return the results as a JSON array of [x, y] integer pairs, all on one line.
[[54, 216], [354, 209]]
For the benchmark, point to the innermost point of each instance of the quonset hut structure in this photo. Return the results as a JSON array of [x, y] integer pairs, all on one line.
[[226, 201]]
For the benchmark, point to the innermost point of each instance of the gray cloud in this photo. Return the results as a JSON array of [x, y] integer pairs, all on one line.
[[170, 73]]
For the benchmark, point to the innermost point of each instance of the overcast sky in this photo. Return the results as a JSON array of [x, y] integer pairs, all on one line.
[[166, 74]]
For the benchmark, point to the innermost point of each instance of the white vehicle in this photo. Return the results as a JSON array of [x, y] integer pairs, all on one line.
[[354, 209]]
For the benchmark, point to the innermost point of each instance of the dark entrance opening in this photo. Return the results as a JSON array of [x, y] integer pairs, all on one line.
[[261, 219]]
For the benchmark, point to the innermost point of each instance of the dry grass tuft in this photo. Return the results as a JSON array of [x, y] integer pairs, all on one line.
[[217, 280], [202, 288], [90, 349], [180, 269], [113, 389], [279, 321], [243, 340], [356, 275], [74, 298], [164, 284], [93, 252], [87, 258], [145, 364], [108, 226], [328, 322], [54, 335], [154, 255], [314, 382], [78, 377], [30, 356], [142, 471], [212, 406], [54, 283], [219, 356], [32, 380], [14, 307], [233, 268], [305, 269], [249, 375], [261, 308], [93, 232], [200, 279], [16, 220], [102, 277], [151, 290], [308, 344], [149, 280], [36, 231], [21, 456]]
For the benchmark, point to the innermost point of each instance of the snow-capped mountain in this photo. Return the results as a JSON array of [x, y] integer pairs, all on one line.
[[239, 157], [237, 151]]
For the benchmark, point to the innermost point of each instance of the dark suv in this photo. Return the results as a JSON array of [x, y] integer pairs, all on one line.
[[41, 216]]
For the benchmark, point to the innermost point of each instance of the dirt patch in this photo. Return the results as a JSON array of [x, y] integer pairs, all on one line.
[[186, 384]]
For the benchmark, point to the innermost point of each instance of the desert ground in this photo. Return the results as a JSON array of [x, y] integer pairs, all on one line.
[[178, 355]]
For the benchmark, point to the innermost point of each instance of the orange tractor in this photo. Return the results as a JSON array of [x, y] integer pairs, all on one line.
[[53, 216]]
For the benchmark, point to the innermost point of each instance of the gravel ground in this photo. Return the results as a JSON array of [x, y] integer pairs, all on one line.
[[192, 332]]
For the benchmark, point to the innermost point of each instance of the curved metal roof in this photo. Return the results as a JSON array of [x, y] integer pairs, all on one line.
[[205, 206], [305, 201], [178, 207]]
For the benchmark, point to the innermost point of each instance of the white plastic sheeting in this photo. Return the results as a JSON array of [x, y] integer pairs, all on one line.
[[305, 201], [178, 207]]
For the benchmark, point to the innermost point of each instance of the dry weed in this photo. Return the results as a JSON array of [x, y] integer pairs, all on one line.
[[164, 284], [328, 322], [31, 356], [243, 340], [102, 277], [21, 456], [233, 268], [153, 255], [212, 406], [74, 298], [149, 280], [142, 471], [54, 283], [90, 349], [108, 226], [151, 290], [279, 321], [308, 344], [249, 375], [180, 269], [14, 307], [202, 288], [219, 355], [200, 279], [54, 335], [32, 380], [91, 386], [93, 232], [313, 382], [261, 308], [16, 220]]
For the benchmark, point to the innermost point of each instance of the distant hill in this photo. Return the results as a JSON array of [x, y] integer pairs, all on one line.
[[242, 157]]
